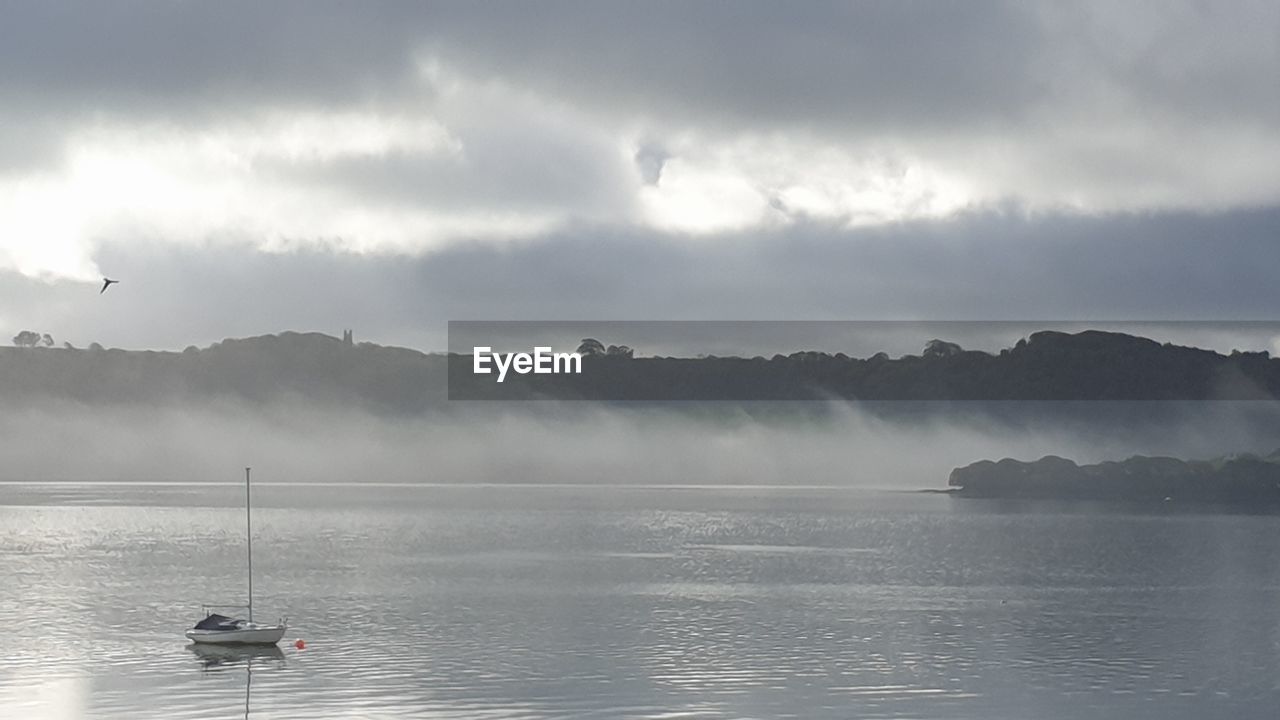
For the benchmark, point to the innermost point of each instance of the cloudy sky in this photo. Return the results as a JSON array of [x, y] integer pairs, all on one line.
[[258, 167]]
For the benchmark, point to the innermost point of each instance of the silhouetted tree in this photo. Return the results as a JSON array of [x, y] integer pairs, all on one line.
[[619, 351], [47, 339], [591, 346], [26, 338]]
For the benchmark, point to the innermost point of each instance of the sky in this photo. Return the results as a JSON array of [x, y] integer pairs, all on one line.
[[248, 168]]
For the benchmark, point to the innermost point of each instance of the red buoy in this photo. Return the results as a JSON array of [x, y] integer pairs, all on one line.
[[299, 644]]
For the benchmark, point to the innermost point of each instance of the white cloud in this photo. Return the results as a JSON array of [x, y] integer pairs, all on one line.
[[42, 234], [234, 179], [689, 198], [709, 186], [277, 178]]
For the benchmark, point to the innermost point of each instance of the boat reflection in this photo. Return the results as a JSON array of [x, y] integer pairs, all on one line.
[[220, 656], [216, 658]]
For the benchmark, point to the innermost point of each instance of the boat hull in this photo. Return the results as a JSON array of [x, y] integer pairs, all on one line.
[[258, 635]]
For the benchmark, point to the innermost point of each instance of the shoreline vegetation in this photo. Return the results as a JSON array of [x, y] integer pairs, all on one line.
[[1234, 480], [1046, 366]]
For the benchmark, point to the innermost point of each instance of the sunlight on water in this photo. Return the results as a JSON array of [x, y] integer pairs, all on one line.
[[507, 602]]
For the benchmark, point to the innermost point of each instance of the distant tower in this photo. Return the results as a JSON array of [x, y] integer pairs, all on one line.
[[347, 338]]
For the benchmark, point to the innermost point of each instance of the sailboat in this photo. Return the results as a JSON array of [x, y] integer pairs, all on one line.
[[218, 629]]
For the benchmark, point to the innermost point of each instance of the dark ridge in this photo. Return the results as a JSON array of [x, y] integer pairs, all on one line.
[[1047, 366], [1238, 479]]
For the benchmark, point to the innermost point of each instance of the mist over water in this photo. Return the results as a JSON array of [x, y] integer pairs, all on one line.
[[887, 445], [540, 560]]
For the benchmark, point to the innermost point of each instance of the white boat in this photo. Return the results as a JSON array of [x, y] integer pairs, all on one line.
[[217, 629], [234, 631]]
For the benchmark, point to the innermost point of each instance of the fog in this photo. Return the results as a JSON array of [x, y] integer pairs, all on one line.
[[892, 445]]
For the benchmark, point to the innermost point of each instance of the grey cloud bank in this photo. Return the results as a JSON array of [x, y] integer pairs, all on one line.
[[927, 64], [397, 129]]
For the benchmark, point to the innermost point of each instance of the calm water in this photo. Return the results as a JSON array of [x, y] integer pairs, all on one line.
[[501, 602]]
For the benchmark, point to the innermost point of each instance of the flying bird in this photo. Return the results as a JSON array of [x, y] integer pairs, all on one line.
[[106, 283]]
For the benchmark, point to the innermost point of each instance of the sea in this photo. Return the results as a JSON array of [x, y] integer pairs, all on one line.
[[592, 601]]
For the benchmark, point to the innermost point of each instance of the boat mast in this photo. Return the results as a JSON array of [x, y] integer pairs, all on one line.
[[248, 533]]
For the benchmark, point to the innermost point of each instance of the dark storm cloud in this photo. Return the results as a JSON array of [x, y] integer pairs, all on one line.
[[131, 54], [734, 50], [1167, 266], [882, 63], [876, 66], [1175, 266]]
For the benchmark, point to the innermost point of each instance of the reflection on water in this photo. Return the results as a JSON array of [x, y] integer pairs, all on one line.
[[542, 603], [216, 657], [221, 657]]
